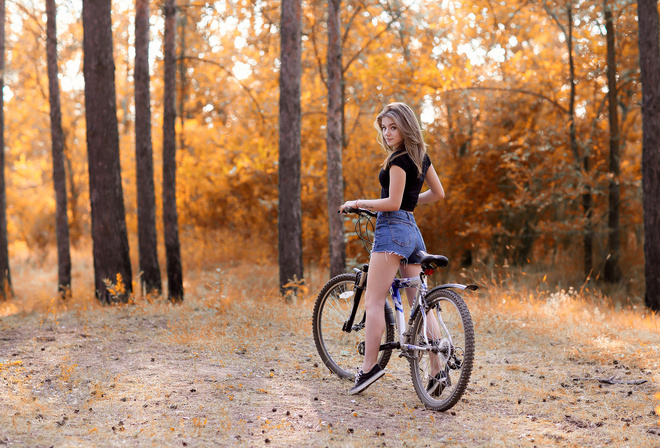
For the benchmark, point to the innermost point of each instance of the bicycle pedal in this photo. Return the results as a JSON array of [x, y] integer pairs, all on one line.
[[407, 356], [455, 364]]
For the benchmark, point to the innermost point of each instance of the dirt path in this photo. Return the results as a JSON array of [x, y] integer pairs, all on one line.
[[215, 374]]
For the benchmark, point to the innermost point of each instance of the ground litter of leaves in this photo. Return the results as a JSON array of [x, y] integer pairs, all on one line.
[[242, 369]]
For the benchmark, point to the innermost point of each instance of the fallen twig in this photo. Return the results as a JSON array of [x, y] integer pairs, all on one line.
[[612, 380]]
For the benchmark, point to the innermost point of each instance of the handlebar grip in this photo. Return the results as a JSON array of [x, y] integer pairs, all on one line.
[[360, 211]]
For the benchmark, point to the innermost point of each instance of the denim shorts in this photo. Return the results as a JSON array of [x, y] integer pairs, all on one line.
[[397, 233]]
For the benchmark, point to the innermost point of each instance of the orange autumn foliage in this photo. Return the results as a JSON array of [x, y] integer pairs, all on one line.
[[489, 81]]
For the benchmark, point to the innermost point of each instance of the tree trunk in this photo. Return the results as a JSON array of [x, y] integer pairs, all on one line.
[[57, 139], [146, 197], [612, 272], [290, 212], [183, 23], [170, 214], [649, 62], [75, 224], [587, 201], [5, 276], [335, 141], [112, 264], [588, 238]]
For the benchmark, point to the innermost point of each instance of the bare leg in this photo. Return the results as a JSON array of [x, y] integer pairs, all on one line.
[[411, 270], [433, 332], [382, 269], [432, 326]]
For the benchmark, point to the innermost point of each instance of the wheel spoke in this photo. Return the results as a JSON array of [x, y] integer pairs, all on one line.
[[337, 323], [338, 313]]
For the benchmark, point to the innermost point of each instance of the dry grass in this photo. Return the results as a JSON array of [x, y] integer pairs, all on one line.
[[235, 365]]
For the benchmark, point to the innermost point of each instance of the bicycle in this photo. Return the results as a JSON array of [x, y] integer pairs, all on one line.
[[440, 349]]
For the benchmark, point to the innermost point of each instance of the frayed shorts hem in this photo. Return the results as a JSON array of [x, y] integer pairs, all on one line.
[[404, 259]]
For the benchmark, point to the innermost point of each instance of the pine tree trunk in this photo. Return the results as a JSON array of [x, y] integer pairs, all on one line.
[[5, 275], [335, 141], [612, 272], [290, 212], [170, 214], [73, 198], [587, 201], [57, 139], [110, 242], [183, 80], [649, 62], [146, 197]]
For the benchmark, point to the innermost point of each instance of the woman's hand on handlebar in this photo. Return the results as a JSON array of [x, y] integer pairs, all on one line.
[[347, 204]]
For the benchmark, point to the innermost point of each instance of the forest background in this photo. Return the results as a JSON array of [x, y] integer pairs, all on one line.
[[513, 97], [533, 115]]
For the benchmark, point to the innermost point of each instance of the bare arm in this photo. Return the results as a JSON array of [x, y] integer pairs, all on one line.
[[388, 204], [435, 191]]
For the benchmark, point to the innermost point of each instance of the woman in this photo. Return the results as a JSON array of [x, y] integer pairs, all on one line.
[[397, 237]]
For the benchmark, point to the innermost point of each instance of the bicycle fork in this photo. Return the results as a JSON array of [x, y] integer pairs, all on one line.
[[359, 288]]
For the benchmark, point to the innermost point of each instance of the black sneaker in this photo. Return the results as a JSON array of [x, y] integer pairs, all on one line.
[[364, 380], [437, 384]]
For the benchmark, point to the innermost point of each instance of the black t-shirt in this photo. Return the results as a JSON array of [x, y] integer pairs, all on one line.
[[414, 182]]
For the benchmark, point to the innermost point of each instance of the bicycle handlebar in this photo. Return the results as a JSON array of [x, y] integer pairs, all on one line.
[[364, 225], [359, 211]]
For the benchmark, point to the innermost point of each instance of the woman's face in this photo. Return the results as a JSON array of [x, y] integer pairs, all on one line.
[[391, 132]]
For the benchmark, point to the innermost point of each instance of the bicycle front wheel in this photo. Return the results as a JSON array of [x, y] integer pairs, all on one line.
[[441, 375], [342, 352]]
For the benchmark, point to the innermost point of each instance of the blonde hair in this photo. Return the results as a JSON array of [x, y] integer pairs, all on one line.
[[411, 132]]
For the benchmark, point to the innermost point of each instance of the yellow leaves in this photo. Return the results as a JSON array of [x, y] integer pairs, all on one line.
[[228, 149], [295, 289], [117, 289], [7, 309], [16, 363], [66, 370], [198, 423]]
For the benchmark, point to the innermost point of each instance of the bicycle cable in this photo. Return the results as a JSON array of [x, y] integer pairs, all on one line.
[[363, 229]]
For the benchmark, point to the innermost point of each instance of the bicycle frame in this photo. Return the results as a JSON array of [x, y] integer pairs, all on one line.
[[395, 292], [399, 321], [422, 288]]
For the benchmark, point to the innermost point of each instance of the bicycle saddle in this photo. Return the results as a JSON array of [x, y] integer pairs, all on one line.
[[430, 261]]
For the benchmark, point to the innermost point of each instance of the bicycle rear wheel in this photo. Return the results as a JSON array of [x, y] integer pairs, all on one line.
[[440, 379], [340, 351]]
